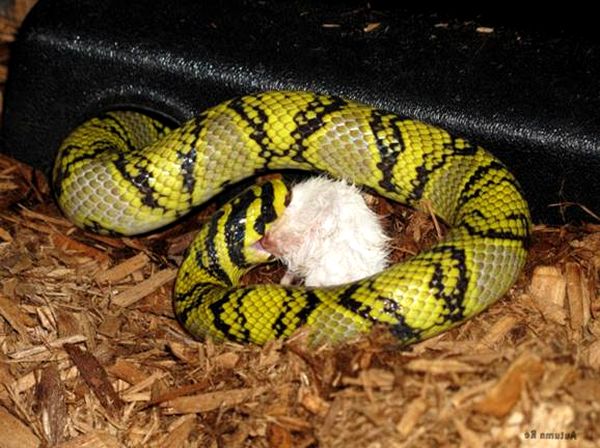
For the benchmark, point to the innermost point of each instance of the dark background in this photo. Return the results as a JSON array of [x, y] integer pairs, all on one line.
[[524, 84]]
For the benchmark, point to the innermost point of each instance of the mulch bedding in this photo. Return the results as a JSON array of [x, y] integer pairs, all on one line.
[[91, 355]]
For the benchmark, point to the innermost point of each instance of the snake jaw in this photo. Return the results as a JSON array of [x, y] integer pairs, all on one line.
[[259, 252]]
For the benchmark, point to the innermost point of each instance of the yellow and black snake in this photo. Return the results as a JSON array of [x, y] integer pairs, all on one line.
[[126, 173]]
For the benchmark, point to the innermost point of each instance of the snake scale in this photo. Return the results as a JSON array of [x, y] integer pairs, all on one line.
[[125, 173]]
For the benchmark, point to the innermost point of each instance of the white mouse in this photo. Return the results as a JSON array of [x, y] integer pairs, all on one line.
[[327, 235]]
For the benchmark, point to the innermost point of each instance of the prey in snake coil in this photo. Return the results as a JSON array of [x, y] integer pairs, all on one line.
[[125, 173]]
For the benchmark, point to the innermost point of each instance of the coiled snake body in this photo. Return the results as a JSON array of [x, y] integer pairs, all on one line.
[[125, 173]]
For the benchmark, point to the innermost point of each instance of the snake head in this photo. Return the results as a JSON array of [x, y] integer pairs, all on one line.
[[257, 209]]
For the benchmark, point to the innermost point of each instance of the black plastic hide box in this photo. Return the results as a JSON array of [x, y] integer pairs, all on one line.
[[530, 94]]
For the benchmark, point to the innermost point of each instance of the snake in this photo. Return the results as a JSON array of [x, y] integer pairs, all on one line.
[[124, 172]]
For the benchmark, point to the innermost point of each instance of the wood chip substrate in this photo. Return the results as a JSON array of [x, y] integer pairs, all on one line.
[[92, 357]]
